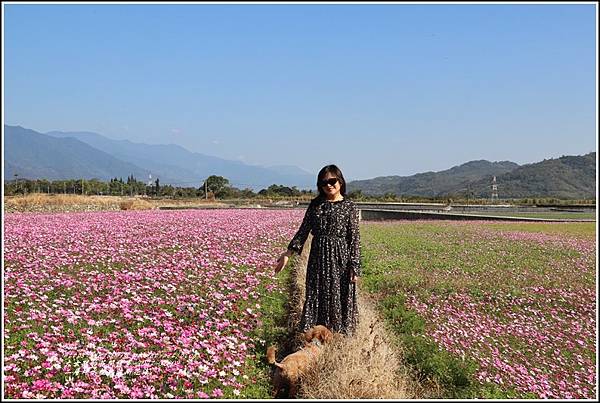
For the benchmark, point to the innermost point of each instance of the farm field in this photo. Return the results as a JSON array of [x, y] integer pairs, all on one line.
[[489, 309], [138, 304]]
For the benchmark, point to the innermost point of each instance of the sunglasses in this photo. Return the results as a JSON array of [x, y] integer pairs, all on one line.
[[331, 181]]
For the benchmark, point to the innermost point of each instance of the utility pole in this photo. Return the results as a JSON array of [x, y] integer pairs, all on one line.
[[206, 189], [82, 186], [494, 190]]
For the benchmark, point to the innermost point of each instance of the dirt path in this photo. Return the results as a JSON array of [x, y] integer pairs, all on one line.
[[364, 366]]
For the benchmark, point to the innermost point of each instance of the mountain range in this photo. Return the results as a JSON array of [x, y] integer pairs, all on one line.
[[433, 184], [567, 177], [33, 155], [67, 155], [62, 155]]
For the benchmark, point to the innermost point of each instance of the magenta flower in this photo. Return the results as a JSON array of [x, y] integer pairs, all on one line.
[[135, 305]]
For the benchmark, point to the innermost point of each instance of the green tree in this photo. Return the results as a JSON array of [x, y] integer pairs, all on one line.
[[356, 195], [216, 185], [389, 196]]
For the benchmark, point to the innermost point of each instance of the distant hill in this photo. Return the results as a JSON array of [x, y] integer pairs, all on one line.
[[430, 184], [33, 155], [567, 177], [188, 168], [67, 155]]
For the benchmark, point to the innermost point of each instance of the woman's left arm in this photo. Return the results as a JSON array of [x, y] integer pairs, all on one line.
[[353, 238]]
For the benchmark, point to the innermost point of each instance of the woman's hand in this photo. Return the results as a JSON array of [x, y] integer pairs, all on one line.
[[353, 276], [282, 261]]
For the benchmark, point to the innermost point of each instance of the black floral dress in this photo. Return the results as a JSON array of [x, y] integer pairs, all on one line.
[[330, 297]]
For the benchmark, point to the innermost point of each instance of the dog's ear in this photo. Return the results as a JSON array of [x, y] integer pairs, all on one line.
[[325, 335], [309, 334]]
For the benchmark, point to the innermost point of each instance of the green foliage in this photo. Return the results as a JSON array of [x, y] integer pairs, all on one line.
[[217, 185], [356, 195], [273, 313], [279, 190], [425, 259], [114, 187], [428, 361]]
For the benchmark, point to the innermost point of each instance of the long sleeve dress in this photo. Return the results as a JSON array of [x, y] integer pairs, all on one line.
[[330, 297]]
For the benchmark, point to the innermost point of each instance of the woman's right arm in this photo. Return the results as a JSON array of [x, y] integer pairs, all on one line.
[[297, 243]]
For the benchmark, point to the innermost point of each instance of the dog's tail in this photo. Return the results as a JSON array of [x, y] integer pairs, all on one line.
[[271, 356]]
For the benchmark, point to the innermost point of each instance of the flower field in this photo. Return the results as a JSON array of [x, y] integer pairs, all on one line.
[[151, 304], [518, 300]]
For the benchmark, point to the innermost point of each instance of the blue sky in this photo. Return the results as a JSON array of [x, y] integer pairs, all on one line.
[[389, 89]]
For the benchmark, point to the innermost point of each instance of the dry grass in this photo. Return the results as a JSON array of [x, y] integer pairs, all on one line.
[[363, 366], [42, 202], [136, 204], [297, 288], [48, 203], [35, 199]]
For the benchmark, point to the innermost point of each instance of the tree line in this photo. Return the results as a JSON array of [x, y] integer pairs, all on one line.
[[213, 187], [219, 187]]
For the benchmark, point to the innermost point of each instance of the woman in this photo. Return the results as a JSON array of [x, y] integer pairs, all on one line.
[[334, 261]]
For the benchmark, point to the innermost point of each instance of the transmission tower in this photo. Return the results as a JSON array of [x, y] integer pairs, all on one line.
[[494, 190]]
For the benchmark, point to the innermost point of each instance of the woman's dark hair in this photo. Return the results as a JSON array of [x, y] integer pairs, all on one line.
[[335, 171]]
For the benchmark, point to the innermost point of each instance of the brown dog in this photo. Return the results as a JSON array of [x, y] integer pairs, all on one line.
[[290, 369]]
